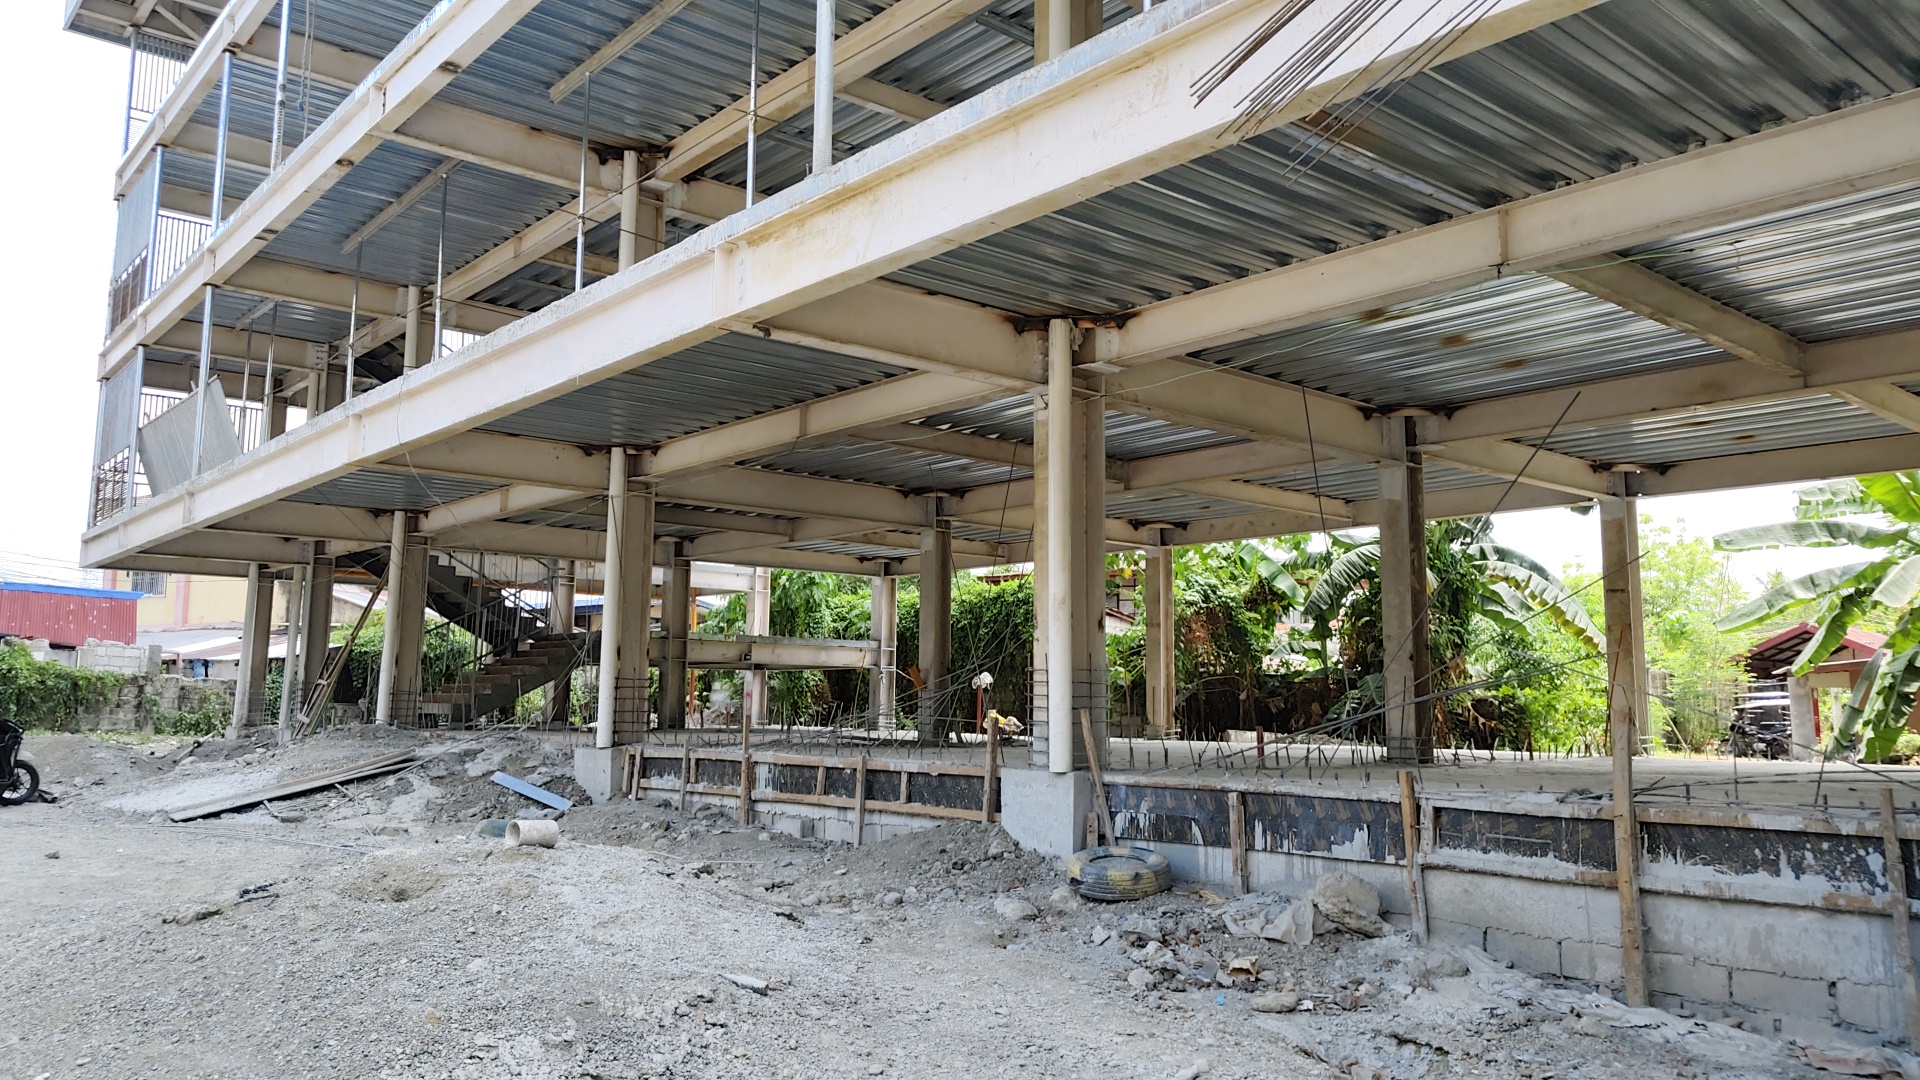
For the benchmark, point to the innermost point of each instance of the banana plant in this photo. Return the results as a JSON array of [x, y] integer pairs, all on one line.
[[1836, 598], [1502, 585]]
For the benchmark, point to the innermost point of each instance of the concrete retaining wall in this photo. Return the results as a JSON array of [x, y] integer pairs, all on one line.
[[1780, 919]]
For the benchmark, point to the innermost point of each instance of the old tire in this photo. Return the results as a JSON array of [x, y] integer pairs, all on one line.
[[22, 786], [1119, 873]]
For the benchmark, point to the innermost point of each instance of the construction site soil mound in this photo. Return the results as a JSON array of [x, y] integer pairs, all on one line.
[[376, 929]]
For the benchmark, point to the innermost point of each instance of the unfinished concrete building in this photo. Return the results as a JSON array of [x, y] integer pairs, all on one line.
[[621, 289]]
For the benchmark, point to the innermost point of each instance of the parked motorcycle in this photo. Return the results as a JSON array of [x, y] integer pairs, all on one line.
[[19, 780]]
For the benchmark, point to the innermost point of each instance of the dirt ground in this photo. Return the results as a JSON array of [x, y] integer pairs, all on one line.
[[372, 931]]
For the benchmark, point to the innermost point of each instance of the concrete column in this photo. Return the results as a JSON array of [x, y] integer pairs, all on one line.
[[1090, 680], [276, 414], [759, 624], [560, 607], [1069, 545], [250, 692], [1403, 597], [291, 668], [627, 603], [936, 630], [643, 218], [884, 627], [676, 622], [1802, 722], [412, 344], [1059, 25], [1160, 635], [319, 612], [389, 640], [407, 625]]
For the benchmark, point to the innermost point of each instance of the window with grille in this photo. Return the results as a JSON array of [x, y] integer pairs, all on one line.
[[150, 582]]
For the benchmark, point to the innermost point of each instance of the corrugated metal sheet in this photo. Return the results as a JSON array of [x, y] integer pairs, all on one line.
[[890, 466], [1352, 481], [873, 552], [1740, 429], [989, 534], [1835, 270], [729, 378], [1128, 436], [485, 208], [67, 616], [1514, 120], [1504, 337], [1174, 506], [379, 489]]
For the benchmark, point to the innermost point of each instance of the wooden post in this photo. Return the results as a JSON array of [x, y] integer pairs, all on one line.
[[1099, 785], [746, 768], [859, 800], [905, 795], [686, 773], [1410, 836], [1237, 838], [1617, 543], [1897, 907], [992, 774]]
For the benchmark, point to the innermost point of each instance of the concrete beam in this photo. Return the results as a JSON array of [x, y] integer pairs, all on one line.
[[1515, 461], [1632, 286], [1826, 157], [1831, 366]]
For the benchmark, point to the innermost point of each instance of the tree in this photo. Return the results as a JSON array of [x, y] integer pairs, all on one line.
[[1469, 577], [1838, 598]]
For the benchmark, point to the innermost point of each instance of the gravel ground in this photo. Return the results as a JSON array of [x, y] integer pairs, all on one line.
[[369, 932]]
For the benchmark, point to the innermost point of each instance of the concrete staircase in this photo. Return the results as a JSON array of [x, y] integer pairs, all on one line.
[[496, 685]]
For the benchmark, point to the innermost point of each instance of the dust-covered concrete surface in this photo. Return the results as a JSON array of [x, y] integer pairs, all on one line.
[[370, 931]]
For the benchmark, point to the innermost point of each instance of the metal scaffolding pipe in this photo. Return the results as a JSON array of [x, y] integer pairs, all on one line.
[[823, 11], [206, 372], [1060, 629], [440, 270]]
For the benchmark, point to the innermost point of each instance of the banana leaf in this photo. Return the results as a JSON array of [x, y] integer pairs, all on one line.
[[1811, 534], [1897, 493], [1836, 498], [1801, 591]]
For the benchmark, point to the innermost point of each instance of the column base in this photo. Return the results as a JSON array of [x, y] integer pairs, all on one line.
[[597, 769], [1046, 811]]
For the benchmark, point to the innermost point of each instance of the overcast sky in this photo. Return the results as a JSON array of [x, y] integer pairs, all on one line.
[[71, 92]]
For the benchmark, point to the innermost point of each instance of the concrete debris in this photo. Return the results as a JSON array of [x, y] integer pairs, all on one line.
[[193, 913], [1864, 1061], [1349, 903], [746, 982], [1284, 1001], [1014, 909]]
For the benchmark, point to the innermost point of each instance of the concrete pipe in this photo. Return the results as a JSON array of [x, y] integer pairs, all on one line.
[[533, 833]]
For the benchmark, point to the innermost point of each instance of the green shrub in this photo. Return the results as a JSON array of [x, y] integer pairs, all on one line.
[[44, 694]]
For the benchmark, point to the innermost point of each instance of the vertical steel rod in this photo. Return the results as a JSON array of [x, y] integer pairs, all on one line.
[[266, 393], [220, 144], [280, 89], [133, 79], [580, 221], [206, 369], [823, 85], [440, 269], [753, 105], [353, 318]]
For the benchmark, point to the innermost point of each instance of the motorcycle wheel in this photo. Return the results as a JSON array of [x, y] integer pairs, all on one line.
[[22, 786]]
